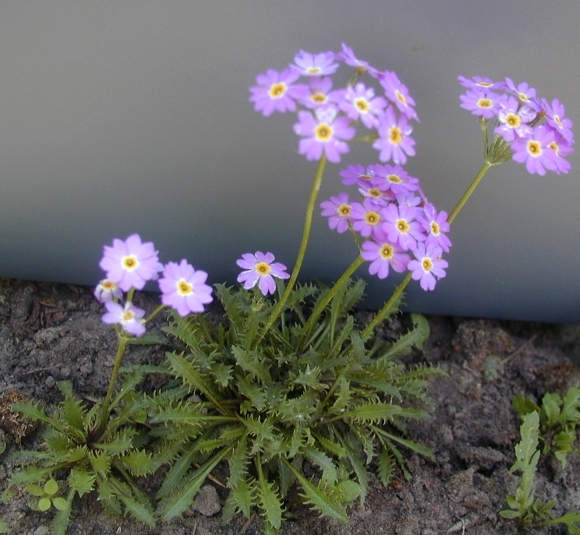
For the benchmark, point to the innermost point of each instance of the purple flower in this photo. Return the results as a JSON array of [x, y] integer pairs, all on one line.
[[534, 150], [436, 226], [524, 92], [514, 119], [355, 175], [398, 94], [108, 290], [318, 93], [365, 217], [275, 92], [557, 120], [561, 148], [314, 64], [184, 289], [359, 102], [382, 255], [398, 180], [338, 211], [324, 133], [479, 82], [347, 55], [428, 265], [401, 227], [481, 102], [261, 268], [394, 140], [377, 191], [128, 316], [131, 263]]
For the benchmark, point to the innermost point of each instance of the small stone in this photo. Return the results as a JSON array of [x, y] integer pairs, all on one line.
[[207, 501], [41, 530]]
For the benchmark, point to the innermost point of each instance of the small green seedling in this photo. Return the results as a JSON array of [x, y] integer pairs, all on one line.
[[47, 496], [528, 511], [559, 418]]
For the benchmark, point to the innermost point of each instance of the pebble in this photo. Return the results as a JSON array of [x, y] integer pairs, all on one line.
[[207, 501]]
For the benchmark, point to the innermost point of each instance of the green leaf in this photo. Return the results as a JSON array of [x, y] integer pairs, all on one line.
[[100, 462], [175, 504], [524, 406], [507, 513], [138, 462], [321, 500], [551, 404], [51, 487], [60, 503], [373, 412], [269, 501], [81, 480], [139, 511], [74, 413], [385, 467], [526, 448], [35, 490], [44, 504]]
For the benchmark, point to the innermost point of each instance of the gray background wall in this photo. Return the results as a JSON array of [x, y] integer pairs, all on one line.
[[133, 116]]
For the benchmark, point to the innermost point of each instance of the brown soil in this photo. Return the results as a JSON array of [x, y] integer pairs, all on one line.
[[51, 332]]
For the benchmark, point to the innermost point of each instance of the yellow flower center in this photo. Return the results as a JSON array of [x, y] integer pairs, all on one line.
[[427, 264], [313, 70], [554, 146], [435, 228], [362, 105], [130, 262], [512, 120], [483, 84], [401, 98], [558, 120], [128, 315], [484, 103], [344, 210], [262, 268], [376, 193], [372, 218], [319, 98], [523, 97], [402, 226], [534, 148], [387, 252], [395, 135], [184, 288], [109, 285], [394, 179], [323, 132], [277, 90], [366, 177]]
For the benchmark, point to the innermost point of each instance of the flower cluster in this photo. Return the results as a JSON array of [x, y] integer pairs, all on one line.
[[400, 229], [538, 131], [327, 117], [129, 265]]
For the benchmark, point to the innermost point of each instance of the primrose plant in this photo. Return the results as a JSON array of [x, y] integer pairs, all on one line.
[[290, 389]]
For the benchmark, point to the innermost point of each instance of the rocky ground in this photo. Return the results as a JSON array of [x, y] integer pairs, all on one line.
[[51, 332]]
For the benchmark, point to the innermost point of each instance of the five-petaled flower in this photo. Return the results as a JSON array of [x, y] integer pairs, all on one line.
[[128, 316], [131, 263], [260, 269], [184, 289]]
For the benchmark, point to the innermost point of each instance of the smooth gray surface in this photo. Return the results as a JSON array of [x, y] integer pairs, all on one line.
[[133, 116]]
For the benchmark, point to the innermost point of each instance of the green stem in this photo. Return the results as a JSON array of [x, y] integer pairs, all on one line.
[[332, 292], [107, 402], [386, 310], [469, 191], [302, 251]]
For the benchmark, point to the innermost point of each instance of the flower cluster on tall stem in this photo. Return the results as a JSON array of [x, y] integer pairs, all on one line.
[[129, 264]]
